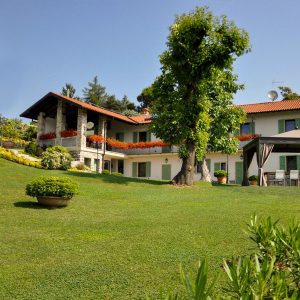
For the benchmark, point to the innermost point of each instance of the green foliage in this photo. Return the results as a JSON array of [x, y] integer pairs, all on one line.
[[96, 94], [15, 128], [117, 174], [105, 172], [33, 149], [287, 93], [191, 100], [52, 186], [220, 173], [253, 178], [57, 157], [10, 155]]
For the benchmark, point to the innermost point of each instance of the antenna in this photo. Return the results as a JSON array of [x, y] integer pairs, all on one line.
[[273, 95]]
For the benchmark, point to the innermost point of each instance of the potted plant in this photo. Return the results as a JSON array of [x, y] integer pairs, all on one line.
[[221, 176], [253, 179], [52, 191]]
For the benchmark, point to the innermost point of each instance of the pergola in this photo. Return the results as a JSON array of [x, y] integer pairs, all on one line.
[[287, 142]]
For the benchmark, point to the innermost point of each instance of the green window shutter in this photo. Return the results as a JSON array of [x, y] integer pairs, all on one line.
[[282, 162], [281, 126], [297, 123], [148, 169], [166, 172], [148, 136], [208, 162], [217, 166], [252, 128], [298, 162], [134, 169], [135, 137], [120, 136]]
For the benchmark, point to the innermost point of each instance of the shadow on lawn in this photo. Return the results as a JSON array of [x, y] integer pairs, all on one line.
[[30, 204], [224, 185], [118, 179]]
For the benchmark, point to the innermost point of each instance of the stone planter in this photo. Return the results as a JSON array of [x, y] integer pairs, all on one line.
[[53, 201], [222, 180], [8, 144]]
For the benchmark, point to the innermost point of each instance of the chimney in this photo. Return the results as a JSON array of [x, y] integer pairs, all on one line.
[[145, 111]]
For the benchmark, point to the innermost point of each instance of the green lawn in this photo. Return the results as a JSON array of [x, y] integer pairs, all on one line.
[[122, 238]]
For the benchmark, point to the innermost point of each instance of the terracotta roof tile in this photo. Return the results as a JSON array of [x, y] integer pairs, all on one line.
[[95, 108], [271, 106], [141, 119]]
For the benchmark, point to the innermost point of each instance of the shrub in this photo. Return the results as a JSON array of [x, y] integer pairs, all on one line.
[[105, 172], [52, 186], [56, 157], [31, 148], [10, 155], [253, 178], [117, 174], [220, 173]]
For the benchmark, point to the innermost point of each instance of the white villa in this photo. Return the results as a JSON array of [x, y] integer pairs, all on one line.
[[56, 114]]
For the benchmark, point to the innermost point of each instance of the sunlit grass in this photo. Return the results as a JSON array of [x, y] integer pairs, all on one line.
[[122, 238]]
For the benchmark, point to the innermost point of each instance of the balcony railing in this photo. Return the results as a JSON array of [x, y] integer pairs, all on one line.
[[69, 141]]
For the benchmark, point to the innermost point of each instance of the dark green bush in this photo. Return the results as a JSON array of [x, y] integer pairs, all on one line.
[[31, 148], [105, 172], [57, 157], [52, 186], [253, 178]]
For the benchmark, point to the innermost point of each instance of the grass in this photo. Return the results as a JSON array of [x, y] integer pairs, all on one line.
[[122, 238]]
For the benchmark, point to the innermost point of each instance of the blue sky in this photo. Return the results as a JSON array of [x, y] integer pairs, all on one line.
[[46, 43]]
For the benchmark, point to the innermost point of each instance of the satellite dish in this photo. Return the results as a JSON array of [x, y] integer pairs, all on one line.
[[89, 125], [273, 95]]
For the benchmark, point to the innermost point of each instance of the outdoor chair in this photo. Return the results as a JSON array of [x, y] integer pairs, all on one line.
[[279, 177], [294, 175]]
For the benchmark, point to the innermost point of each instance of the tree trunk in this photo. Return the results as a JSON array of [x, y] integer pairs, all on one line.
[[186, 174], [205, 175]]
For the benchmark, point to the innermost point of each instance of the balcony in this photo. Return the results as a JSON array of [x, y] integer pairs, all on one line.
[[146, 151]]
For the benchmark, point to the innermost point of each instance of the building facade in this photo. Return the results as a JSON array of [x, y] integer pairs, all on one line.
[[69, 122]]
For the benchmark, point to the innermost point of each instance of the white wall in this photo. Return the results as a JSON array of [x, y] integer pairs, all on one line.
[[50, 125], [156, 164], [266, 124]]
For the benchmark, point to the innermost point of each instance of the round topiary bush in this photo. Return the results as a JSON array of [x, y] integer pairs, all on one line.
[[52, 186]]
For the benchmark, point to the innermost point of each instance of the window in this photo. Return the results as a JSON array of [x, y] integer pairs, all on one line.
[[289, 125], [291, 163], [121, 166], [223, 166], [143, 136], [120, 136], [142, 169], [245, 128]]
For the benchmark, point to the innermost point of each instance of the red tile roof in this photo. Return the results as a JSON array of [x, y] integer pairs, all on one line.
[[95, 108], [141, 119], [282, 105]]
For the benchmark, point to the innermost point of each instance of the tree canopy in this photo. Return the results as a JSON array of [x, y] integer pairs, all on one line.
[[96, 94], [287, 93], [191, 101]]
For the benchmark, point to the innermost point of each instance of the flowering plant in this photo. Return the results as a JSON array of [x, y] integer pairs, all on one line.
[[47, 136], [123, 145], [95, 138], [246, 137], [68, 133]]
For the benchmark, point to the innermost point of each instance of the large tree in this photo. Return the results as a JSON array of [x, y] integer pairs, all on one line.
[[287, 93], [69, 91], [195, 90], [95, 93]]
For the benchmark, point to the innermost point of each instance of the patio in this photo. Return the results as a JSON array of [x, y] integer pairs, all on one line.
[[287, 142]]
